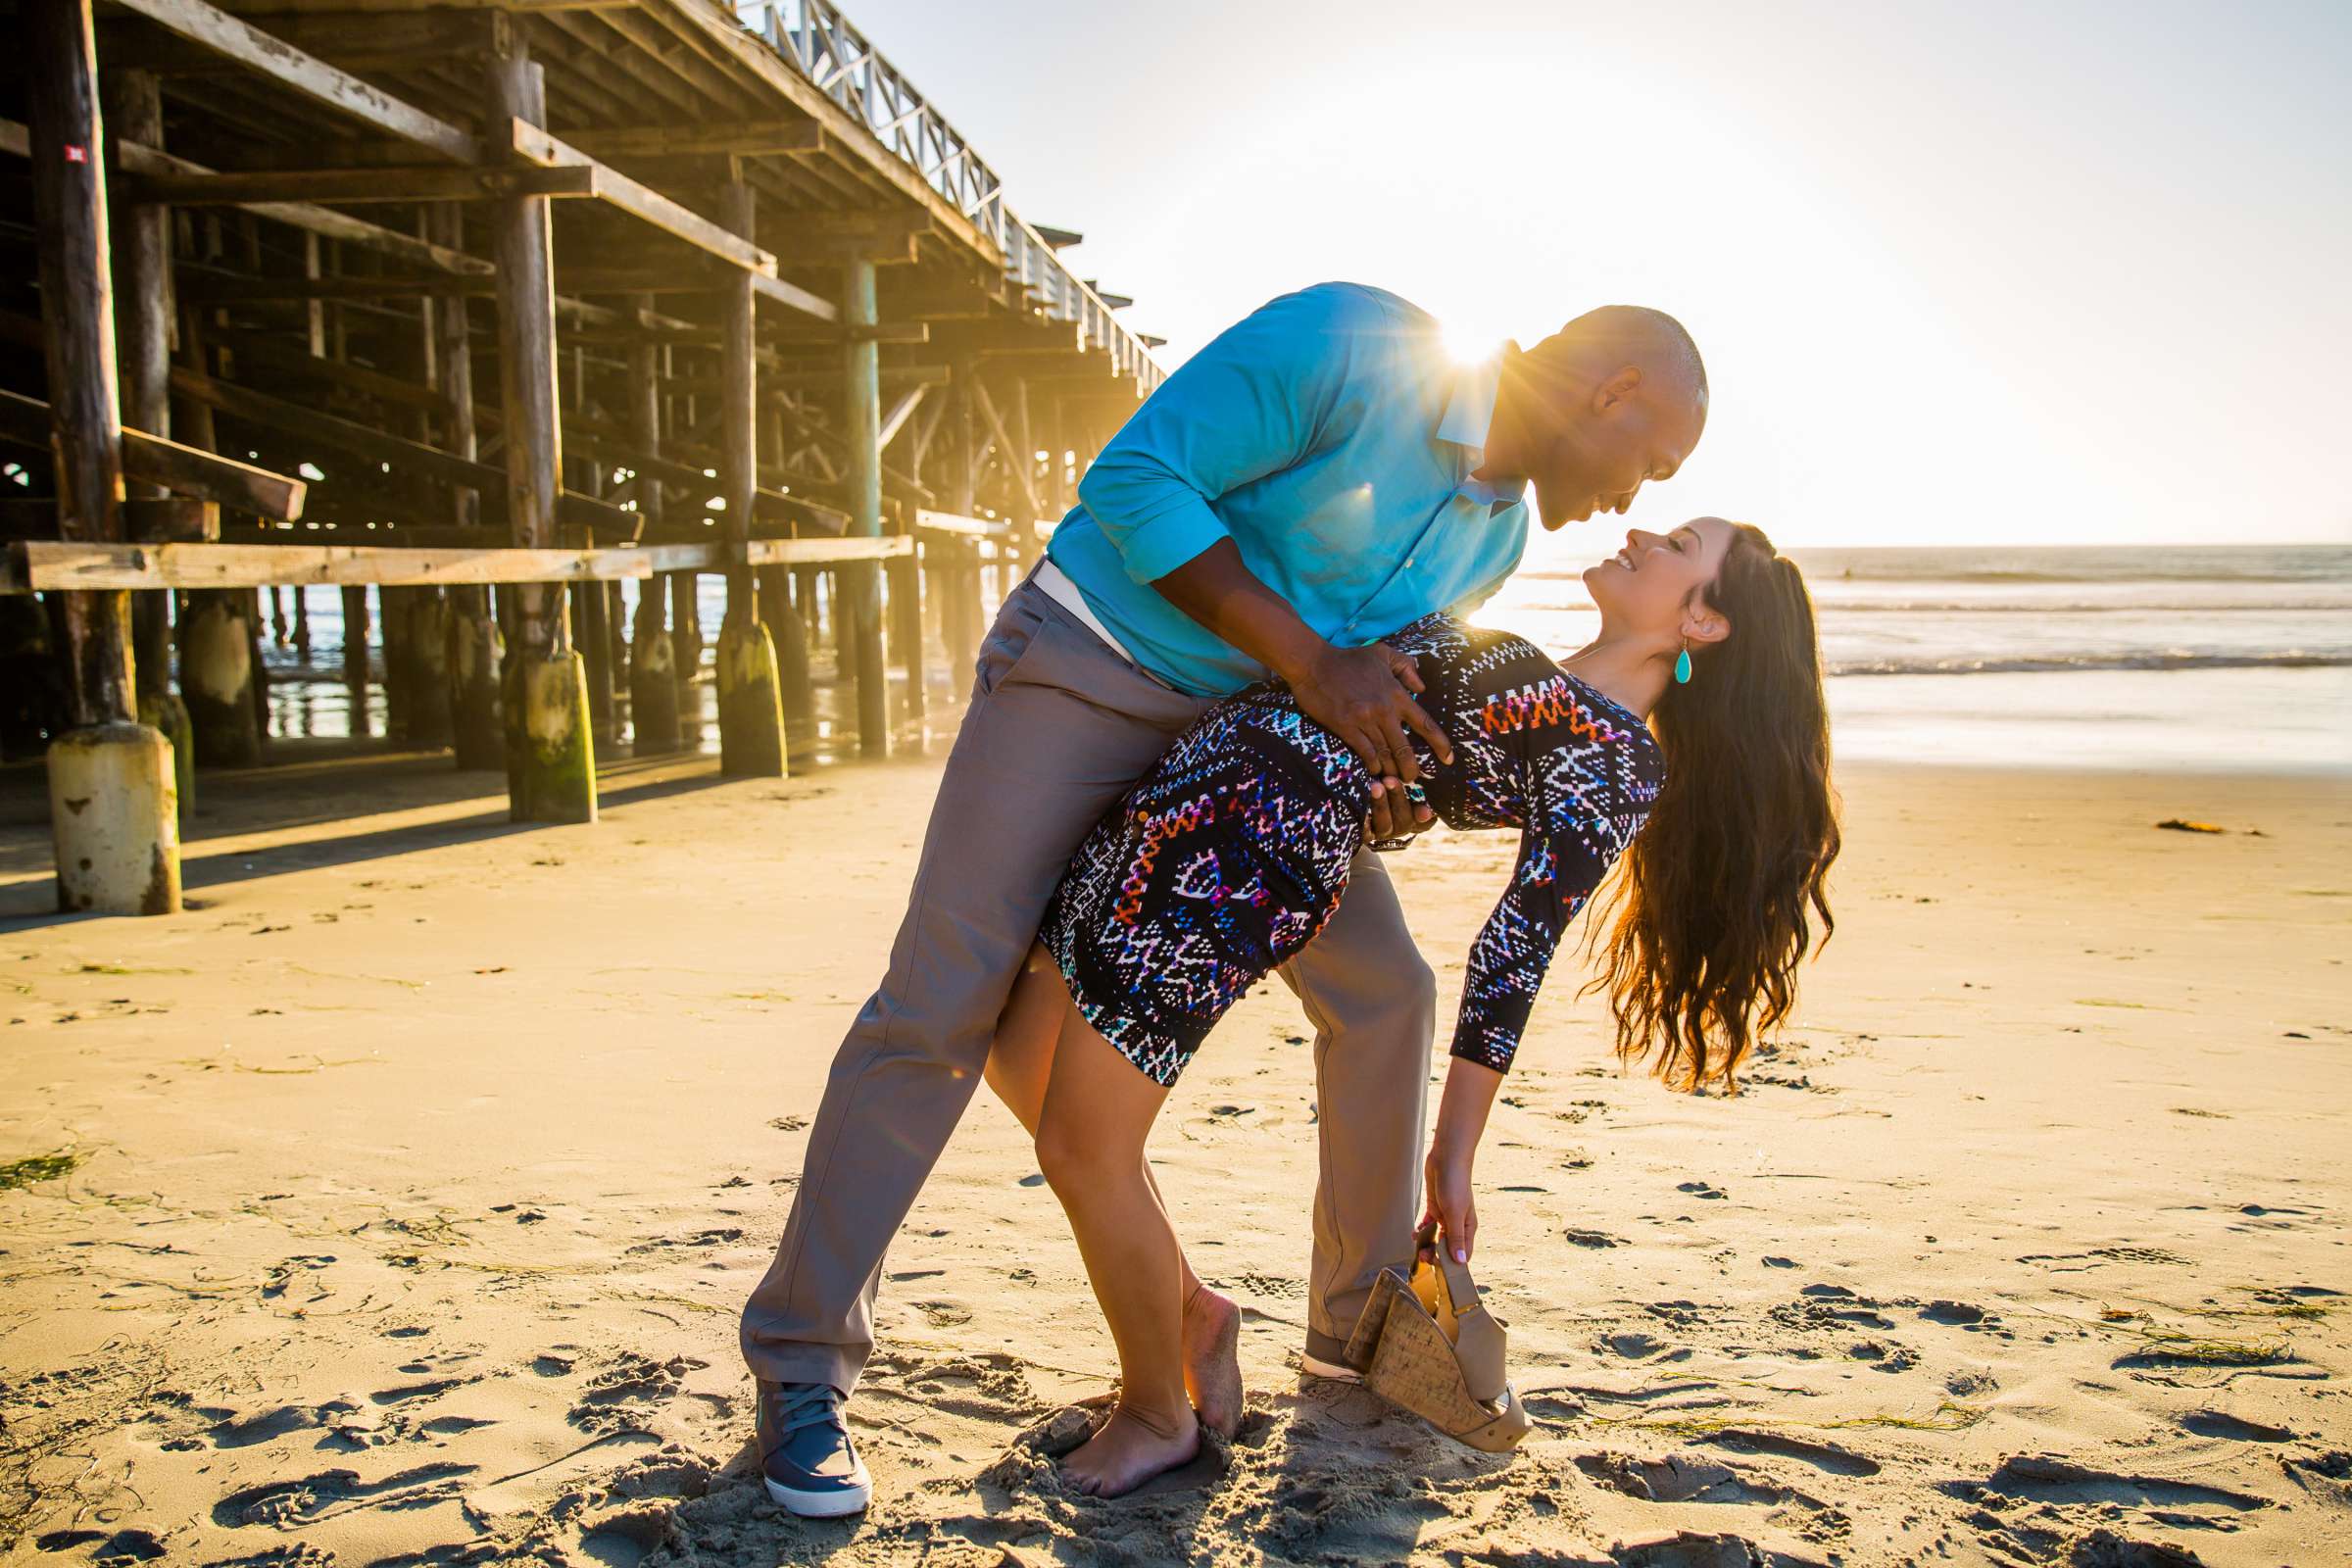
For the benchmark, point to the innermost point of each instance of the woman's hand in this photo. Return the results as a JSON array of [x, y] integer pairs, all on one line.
[[1470, 1089], [1450, 1210]]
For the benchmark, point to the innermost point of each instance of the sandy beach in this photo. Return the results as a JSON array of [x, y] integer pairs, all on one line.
[[394, 1204]]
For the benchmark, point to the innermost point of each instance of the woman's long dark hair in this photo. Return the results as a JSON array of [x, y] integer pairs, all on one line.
[[1713, 906]]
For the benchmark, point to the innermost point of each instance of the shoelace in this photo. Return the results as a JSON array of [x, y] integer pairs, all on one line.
[[812, 1404]]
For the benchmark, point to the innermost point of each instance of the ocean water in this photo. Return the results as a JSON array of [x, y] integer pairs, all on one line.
[[2207, 658]]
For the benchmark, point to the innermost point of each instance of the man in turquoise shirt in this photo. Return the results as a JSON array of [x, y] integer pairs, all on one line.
[[1320, 474]]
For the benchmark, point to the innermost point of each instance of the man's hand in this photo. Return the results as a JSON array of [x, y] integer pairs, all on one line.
[[1451, 1210], [1396, 814], [1365, 697]]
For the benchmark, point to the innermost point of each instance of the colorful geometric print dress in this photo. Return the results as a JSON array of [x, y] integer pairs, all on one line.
[[1230, 854]]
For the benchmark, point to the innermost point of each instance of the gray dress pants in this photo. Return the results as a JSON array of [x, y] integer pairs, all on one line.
[[1058, 729]]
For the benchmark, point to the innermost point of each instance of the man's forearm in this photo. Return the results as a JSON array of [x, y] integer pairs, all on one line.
[[1220, 592]]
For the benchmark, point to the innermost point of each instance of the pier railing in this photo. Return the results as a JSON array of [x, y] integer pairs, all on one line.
[[828, 49]]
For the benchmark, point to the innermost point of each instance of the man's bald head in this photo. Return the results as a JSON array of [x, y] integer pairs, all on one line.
[[1633, 335], [1613, 400]]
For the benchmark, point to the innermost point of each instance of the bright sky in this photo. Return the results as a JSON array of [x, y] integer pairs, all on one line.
[[1980, 272]]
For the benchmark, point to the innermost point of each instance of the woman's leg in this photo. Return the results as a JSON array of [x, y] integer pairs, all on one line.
[[1099, 1112], [1021, 1064]]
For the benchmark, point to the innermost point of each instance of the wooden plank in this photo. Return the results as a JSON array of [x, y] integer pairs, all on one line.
[[826, 552], [774, 506], [343, 436], [156, 520], [48, 566], [536, 146], [39, 566], [260, 8], [322, 221], [409, 184], [948, 525], [743, 138], [209, 476], [327, 224], [789, 295], [314, 78], [253, 348], [576, 511], [895, 417]]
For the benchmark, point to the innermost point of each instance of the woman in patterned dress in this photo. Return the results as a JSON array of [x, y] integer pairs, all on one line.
[[1695, 721]]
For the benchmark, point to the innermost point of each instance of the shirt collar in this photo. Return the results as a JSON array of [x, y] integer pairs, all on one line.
[[1469, 416]]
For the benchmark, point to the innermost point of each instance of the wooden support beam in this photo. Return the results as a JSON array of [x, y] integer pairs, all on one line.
[[793, 297], [306, 75], [742, 138], [826, 552], [78, 321], [530, 424], [774, 506], [530, 144], [1017, 462], [296, 361], [738, 428], [156, 520], [300, 420], [895, 418], [181, 469], [51, 566], [322, 221], [412, 183], [861, 425]]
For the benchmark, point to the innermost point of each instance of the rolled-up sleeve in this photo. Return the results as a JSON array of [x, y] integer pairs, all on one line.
[[1257, 399]]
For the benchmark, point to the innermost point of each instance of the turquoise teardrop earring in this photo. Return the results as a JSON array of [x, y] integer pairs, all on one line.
[[1681, 667]]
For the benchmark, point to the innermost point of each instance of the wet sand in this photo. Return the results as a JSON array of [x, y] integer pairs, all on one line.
[[393, 1206]]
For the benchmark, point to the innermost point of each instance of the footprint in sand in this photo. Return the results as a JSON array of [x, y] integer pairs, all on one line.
[[2237, 1429], [291, 1505], [627, 1390], [120, 1546], [1688, 1549]]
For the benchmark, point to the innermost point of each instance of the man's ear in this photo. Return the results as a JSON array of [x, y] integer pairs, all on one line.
[[1616, 389]]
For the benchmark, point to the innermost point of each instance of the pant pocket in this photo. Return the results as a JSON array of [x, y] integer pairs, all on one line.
[[1007, 644]]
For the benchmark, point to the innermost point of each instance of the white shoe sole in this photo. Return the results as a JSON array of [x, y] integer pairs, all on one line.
[[1313, 1367], [820, 1505]]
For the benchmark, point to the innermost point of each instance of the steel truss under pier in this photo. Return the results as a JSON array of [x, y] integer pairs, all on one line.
[[427, 298]]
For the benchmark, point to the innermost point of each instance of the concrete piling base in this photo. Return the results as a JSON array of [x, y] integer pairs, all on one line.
[[652, 696], [113, 814], [165, 712], [471, 660], [429, 695], [216, 679], [751, 713], [551, 762], [790, 639]]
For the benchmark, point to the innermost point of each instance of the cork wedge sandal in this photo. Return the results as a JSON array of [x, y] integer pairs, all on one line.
[[1428, 1344]]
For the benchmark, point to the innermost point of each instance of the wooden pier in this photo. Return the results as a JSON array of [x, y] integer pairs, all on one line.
[[491, 307]]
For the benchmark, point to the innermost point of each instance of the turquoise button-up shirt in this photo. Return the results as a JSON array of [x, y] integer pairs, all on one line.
[[1328, 435]]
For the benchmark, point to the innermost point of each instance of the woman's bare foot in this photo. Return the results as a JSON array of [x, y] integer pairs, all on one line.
[[1212, 1361], [1129, 1451]]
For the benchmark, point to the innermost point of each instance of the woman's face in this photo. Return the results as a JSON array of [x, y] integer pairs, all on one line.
[[1656, 584]]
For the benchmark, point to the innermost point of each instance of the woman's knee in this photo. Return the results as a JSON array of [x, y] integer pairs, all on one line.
[[1077, 1161]]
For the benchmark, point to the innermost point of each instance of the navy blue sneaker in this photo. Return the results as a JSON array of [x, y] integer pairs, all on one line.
[[811, 1465]]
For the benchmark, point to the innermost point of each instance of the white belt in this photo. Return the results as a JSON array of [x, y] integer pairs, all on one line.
[[1057, 586]]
